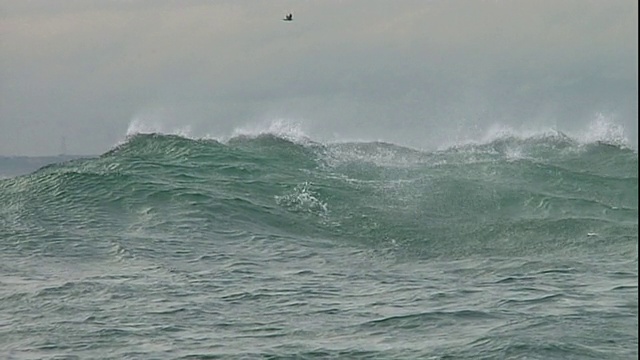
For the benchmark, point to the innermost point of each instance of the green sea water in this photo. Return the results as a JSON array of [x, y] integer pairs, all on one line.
[[269, 247]]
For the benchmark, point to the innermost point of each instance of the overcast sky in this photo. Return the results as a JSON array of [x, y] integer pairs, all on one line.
[[418, 73]]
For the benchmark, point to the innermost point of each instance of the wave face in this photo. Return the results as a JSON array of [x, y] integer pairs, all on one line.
[[268, 246]]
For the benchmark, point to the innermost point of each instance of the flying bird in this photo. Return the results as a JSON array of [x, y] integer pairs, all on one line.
[[288, 17]]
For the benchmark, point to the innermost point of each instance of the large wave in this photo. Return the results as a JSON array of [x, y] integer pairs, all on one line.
[[510, 195]]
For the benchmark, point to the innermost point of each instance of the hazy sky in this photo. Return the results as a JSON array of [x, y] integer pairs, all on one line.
[[418, 73]]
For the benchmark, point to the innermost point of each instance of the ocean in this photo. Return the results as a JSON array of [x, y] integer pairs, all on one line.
[[269, 246]]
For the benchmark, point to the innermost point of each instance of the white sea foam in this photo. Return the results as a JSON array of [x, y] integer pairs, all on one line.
[[603, 129], [156, 122], [153, 123], [291, 130]]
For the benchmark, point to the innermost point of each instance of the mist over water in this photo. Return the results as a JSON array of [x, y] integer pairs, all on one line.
[[598, 127]]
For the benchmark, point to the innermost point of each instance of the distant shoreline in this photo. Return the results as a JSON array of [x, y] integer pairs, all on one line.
[[16, 165]]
